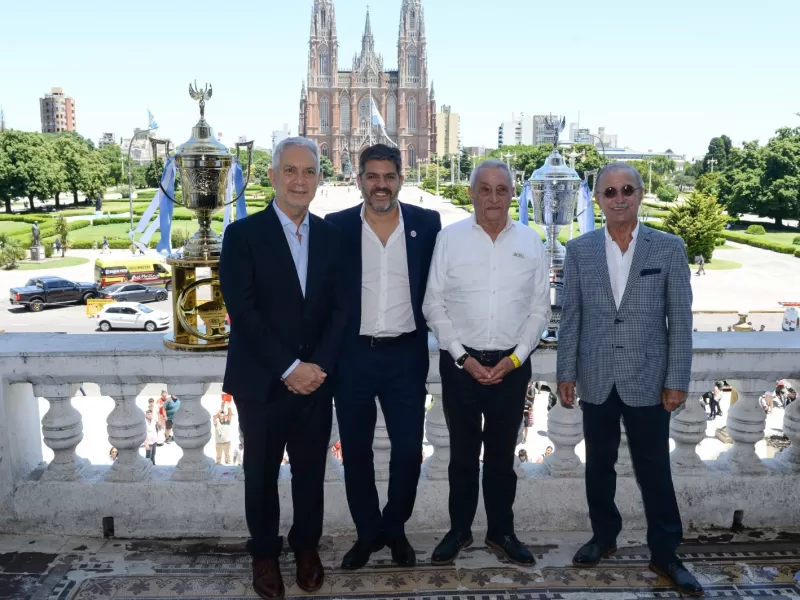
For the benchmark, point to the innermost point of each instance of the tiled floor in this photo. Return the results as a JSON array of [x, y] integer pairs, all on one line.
[[747, 565]]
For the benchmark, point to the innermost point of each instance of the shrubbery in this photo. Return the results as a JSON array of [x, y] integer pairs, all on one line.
[[796, 240], [756, 230]]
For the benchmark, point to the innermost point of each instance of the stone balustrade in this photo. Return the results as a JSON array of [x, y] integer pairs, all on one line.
[[68, 495]]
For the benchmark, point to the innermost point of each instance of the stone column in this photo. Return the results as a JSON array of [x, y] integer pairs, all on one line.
[[192, 432], [624, 463], [127, 431], [790, 457], [687, 427], [565, 430], [438, 436], [746, 423], [381, 447], [62, 430], [333, 471]]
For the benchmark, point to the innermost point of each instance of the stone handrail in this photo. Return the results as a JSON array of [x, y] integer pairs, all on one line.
[[70, 495]]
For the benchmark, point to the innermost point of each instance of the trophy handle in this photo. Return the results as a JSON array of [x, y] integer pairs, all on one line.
[[249, 146]]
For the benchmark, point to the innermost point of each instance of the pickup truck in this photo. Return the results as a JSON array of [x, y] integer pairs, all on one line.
[[52, 291]]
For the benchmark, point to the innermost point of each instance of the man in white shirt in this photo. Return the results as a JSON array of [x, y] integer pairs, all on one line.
[[387, 251], [487, 302], [625, 340]]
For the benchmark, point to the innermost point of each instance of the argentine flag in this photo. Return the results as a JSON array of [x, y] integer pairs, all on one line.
[[377, 119], [151, 120]]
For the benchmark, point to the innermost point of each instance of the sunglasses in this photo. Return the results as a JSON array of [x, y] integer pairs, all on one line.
[[626, 191]]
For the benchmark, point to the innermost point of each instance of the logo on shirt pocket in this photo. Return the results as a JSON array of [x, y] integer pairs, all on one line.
[[518, 255]]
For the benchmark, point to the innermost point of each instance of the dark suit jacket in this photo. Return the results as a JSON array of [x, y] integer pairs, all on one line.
[[421, 226], [272, 324]]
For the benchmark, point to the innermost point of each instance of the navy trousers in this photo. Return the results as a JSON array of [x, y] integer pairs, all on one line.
[[647, 428], [396, 375]]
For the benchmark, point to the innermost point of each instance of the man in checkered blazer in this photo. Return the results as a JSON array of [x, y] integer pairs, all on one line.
[[626, 341]]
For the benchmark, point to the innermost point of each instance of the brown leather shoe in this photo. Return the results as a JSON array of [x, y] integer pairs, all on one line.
[[267, 580], [310, 573]]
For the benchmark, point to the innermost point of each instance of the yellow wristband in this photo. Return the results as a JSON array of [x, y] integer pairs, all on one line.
[[515, 359]]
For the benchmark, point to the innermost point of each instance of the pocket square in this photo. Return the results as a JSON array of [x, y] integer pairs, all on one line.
[[649, 272]]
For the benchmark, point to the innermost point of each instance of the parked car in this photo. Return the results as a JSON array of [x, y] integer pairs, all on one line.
[[134, 292], [131, 315], [52, 291]]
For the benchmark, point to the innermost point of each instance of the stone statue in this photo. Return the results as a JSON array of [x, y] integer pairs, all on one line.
[[37, 240], [98, 202]]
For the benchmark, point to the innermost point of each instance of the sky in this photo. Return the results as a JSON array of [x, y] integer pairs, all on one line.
[[658, 74]]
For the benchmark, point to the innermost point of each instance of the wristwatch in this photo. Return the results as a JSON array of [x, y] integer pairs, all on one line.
[[461, 360]]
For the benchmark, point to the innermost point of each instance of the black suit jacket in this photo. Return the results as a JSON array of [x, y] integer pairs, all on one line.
[[272, 324], [421, 227]]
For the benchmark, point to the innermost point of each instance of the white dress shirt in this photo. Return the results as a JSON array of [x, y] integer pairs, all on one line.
[[619, 264], [297, 238], [488, 295], [385, 292]]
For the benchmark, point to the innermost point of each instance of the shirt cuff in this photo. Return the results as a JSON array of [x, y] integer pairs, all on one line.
[[522, 352], [457, 350], [288, 371]]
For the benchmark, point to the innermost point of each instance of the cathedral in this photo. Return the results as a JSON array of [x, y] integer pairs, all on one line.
[[335, 105]]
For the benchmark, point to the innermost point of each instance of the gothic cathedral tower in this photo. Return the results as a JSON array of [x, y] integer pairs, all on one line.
[[323, 50]]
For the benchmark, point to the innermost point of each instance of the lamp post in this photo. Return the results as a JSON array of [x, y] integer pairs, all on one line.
[[452, 170], [507, 156], [137, 133], [711, 161], [418, 180], [437, 176]]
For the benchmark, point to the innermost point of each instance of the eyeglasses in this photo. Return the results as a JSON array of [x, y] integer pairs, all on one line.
[[627, 191]]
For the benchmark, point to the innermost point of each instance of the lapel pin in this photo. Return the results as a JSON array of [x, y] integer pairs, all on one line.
[[413, 233]]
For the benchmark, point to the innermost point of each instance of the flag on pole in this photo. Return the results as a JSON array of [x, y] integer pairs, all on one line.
[[151, 121], [377, 119], [585, 209], [524, 202]]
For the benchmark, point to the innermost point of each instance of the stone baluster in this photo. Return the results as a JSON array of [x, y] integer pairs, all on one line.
[[127, 431], [192, 431], [565, 430], [790, 457], [333, 471], [745, 424], [438, 436], [62, 430], [381, 447], [624, 463], [687, 427]]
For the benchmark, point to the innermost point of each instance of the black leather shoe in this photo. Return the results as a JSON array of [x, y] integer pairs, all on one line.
[[513, 549], [679, 577], [359, 554], [447, 551], [403, 554], [591, 553]]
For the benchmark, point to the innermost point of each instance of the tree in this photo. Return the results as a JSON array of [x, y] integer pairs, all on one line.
[[260, 172], [62, 231], [73, 156], [94, 176], [32, 169], [667, 193], [138, 175], [5, 179], [719, 149], [112, 158], [682, 181], [327, 166], [644, 170], [740, 183], [699, 221], [780, 197], [663, 165], [153, 173], [694, 170], [11, 251], [708, 183]]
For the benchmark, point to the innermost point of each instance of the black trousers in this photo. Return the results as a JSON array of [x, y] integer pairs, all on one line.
[[396, 374], [647, 428], [151, 453], [465, 403], [301, 425], [714, 408]]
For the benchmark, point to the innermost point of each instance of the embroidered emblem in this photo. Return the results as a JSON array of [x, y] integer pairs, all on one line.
[[519, 255]]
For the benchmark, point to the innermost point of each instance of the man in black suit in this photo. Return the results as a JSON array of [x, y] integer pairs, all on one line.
[[279, 277], [387, 254]]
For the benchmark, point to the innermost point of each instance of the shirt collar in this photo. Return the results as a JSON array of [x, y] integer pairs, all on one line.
[[509, 223], [286, 221], [634, 234], [364, 210]]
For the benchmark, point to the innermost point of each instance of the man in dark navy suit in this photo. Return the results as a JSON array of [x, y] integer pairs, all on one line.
[[279, 277], [387, 254]]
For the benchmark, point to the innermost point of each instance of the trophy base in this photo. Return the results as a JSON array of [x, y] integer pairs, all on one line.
[[198, 345]]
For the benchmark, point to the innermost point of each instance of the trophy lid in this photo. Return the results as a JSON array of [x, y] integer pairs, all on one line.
[[203, 140], [555, 168]]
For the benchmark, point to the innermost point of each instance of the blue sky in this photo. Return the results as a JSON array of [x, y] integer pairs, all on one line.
[[667, 74]]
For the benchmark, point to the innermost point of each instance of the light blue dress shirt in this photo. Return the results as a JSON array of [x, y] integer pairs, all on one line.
[[297, 238]]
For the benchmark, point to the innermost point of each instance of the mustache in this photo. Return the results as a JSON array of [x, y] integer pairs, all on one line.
[[381, 190]]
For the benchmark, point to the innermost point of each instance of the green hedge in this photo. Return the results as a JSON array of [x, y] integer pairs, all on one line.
[[31, 219], [745, 238], [756, 230], [796, 241], [797, 253], [110, 220]]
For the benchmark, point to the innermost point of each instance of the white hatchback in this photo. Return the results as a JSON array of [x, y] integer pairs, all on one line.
[[131, 315]]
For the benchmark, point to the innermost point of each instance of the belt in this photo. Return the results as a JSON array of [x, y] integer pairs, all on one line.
[[387, 341], [488, 358]]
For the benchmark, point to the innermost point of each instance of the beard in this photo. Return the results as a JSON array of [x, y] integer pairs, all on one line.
[[383, 208]]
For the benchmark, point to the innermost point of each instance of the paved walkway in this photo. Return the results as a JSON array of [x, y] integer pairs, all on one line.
[[746, 565]]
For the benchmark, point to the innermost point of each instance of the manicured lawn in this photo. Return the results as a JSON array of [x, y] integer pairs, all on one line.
[[120, 231], [718, 264], [67, 261], [776, 237], [727, 247], [11, 226]]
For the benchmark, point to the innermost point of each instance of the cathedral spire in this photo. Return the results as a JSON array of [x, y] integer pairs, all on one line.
[[367, 41]]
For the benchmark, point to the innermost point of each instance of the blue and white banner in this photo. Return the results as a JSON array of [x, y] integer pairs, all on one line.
[[164, 205], [234, 189], [585, 209], [524, 202]]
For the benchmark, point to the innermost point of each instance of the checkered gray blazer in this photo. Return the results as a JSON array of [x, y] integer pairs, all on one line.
[[644, 346]]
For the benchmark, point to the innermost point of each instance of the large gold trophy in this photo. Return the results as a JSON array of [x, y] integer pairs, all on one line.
[[200, 323]]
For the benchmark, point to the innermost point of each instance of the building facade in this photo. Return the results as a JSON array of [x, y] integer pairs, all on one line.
[[448, 131], [278, 135], [57, 112], [522, 130], [335, 108], [106, 140]]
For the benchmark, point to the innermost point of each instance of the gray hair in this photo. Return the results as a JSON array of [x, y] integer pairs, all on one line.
[[492, 163], [619, 166], [300, 142]]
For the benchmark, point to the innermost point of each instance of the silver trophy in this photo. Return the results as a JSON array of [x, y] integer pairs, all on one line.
[[555, 189]]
